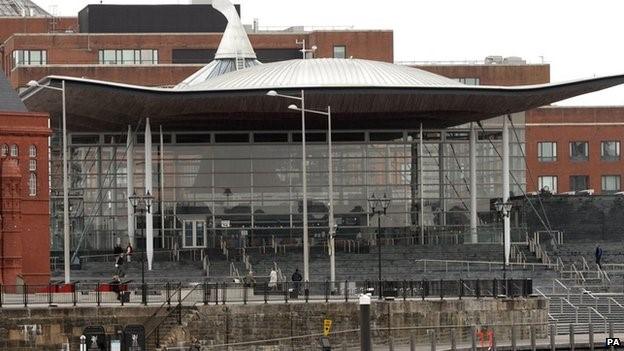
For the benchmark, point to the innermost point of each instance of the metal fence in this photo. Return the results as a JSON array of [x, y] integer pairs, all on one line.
[[107, 293]]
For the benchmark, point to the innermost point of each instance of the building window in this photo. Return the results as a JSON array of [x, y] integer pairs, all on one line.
[[129, 57], [29, 58], [547, 151], [32, 184], [547, 183], [32, 165], [468, 81], [579, 151], [610, 150], [4, 150], [32, 151], [14, 151], [340, 51], [579, 182], [610, 184], [194, 234]]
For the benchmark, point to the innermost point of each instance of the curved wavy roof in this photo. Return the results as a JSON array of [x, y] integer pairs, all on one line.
[[362, 94], [326, 72]]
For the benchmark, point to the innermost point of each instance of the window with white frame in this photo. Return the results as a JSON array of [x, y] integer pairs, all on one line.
[[547, 151], [29, 58], [4, 150], [32, 184], [610, 184], [32, 151], [32, 165], [14, 150], [128, 57], [547, 183], [610, 150], [194, 233]]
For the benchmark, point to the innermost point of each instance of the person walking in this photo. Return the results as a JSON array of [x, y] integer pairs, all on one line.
[[129, 251], [296, 278], [119, 265], [598, 255], [273, 279]]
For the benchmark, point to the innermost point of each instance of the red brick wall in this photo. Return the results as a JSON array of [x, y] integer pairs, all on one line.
[[495, 74], [77, 54], [565, 124], [25, 129]]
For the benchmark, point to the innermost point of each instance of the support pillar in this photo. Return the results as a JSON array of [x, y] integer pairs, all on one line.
[[506, 219], [473, 185], [149, 217], [130, 184], [421, 190]]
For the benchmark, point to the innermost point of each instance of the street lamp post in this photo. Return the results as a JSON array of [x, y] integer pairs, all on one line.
[[504, 210], [379, 206], [306, 248], [66, 238], [142, 205], [330, 169]]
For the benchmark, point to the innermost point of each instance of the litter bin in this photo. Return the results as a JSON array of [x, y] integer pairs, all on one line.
[[325, 345]]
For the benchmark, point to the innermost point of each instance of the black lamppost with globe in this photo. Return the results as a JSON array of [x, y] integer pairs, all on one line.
[[378, 207], [142, 205], [504, 210]]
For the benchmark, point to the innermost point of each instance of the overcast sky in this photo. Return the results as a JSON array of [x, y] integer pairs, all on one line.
[[579, 39]]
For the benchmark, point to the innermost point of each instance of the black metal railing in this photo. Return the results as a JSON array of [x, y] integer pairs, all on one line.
[[162, 294]]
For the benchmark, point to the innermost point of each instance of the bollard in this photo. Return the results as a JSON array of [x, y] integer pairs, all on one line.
[[478, 289], [532, 332], [453, 342], [611, 334], [168, 291], [473, 338], [346, 290], [433, 340], [513, 338], [205, 290], [553, 346], [572, 344], [83, 343], [412, 342], [591, 337], [365, 333]]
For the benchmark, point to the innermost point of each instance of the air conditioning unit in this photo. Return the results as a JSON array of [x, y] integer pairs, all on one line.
[[493, 60], [514, 60], [585, 192]]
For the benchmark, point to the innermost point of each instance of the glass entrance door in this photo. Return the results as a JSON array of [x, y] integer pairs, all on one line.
[[194, 233]]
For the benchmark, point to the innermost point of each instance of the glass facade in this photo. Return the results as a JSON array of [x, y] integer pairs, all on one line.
[[253, 181]]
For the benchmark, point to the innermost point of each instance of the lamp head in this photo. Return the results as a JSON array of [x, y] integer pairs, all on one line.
[[133, 199], [385, 202], [271, 93], [507, 206], [33, 83], [314, 48], [148, 201], [498, 205], [293, 107]]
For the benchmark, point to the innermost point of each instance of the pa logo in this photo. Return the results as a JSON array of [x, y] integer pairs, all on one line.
[[613, 342]]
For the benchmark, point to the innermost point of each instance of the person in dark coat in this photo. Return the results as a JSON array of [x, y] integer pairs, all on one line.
[[296, 278], [598, 255], [119, 265]]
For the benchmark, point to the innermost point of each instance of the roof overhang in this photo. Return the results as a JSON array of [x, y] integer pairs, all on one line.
[[98, 106]]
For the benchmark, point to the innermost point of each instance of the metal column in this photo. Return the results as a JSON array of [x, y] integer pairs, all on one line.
[[421, 190], [332, 229], [162, 190], [130, 184], [473, 185], [304, 161], [149, 219], [506, 219]]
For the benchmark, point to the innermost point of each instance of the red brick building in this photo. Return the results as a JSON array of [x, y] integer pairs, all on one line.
[[575, 148], [24, 192], [37, 47]]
